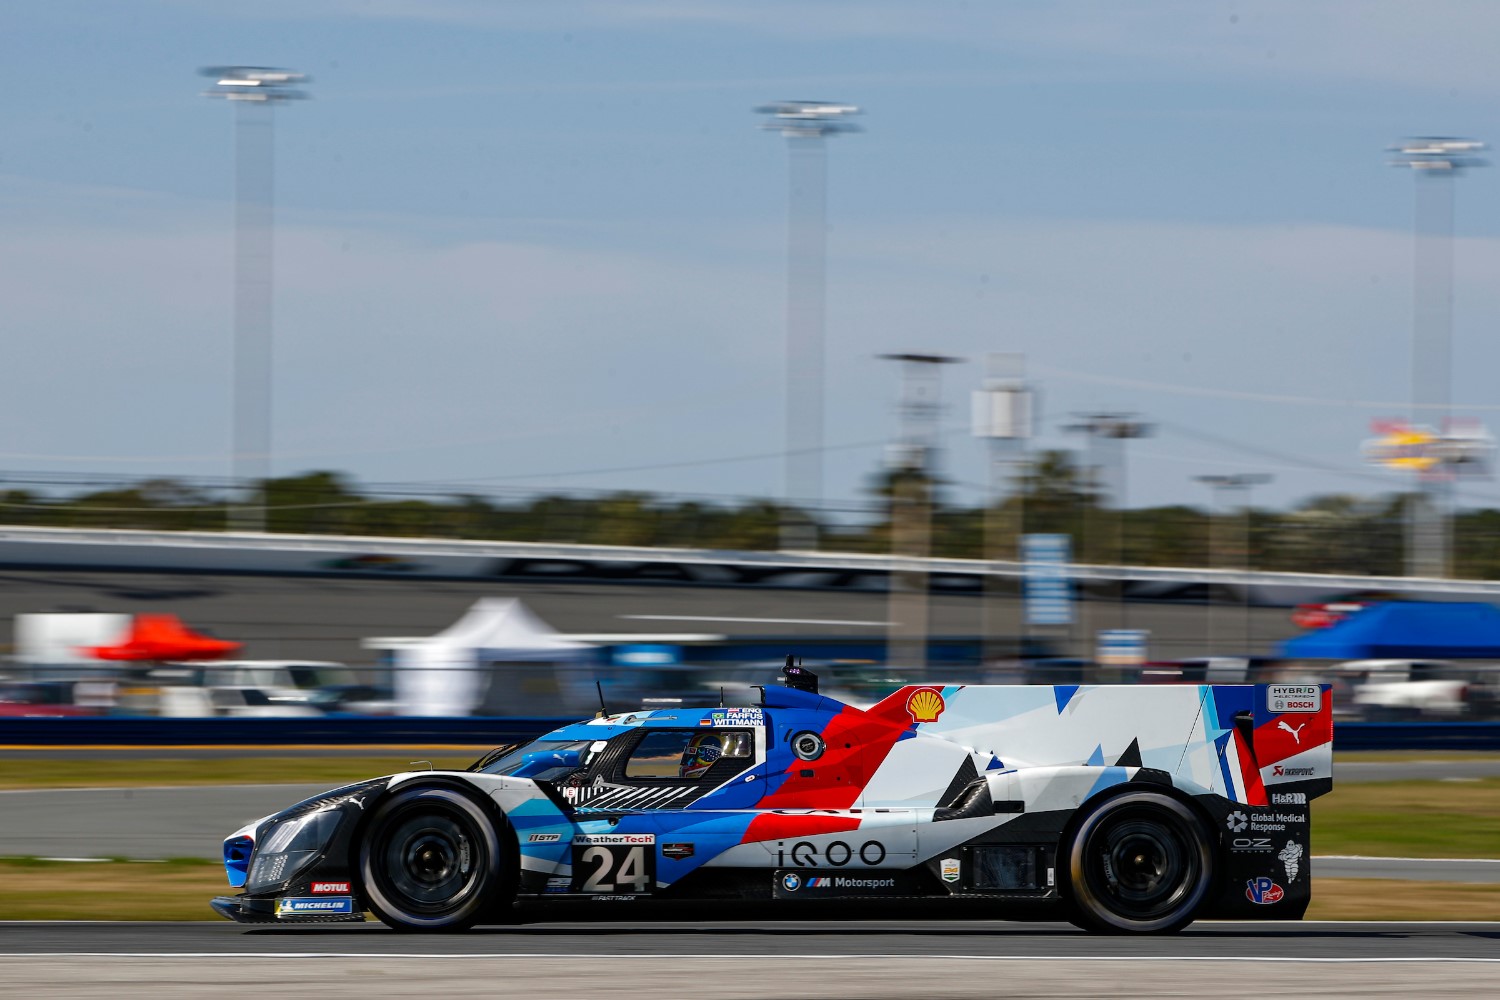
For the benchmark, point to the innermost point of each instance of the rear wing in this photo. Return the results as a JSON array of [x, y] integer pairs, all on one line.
[[1259, 744]]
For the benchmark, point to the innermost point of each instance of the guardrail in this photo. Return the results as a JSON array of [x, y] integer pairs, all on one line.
[[125, 549], [347, 731]]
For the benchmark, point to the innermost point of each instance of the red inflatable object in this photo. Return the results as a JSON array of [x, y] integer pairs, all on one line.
[[163, 637]]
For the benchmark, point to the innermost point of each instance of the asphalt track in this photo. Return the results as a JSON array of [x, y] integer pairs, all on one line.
[[191, 822], [729, 959]]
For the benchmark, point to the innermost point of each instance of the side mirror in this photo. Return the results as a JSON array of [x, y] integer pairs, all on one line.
[[547, 760]]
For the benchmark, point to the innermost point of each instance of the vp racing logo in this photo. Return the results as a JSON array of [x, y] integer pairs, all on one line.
[[1263, 891], [1237, 821]]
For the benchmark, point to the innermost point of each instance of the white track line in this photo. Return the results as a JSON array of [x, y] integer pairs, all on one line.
[[698, 956]]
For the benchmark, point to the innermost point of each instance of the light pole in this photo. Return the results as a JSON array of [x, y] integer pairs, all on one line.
[[1224, 487], [911, 464], [255, 90], [1435, 161], [1107, 434], [805, 125], [1002, 415]]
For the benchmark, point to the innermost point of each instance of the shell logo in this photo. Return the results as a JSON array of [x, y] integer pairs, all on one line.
[[925, 705]]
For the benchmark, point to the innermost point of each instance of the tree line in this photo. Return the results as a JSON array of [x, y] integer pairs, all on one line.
[[1332, 533]]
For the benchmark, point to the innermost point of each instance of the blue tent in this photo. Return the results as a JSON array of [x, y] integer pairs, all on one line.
[[1405, 630]]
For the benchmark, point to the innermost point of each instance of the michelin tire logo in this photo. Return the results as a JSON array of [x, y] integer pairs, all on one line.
[[293, 906]]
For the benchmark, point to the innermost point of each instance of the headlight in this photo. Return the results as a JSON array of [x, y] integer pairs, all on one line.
[[291, 846]]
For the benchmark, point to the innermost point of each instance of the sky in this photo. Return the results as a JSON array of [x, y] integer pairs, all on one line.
[[542, 246]]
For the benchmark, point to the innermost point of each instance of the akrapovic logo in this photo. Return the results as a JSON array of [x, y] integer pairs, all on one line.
[[1292, 772]]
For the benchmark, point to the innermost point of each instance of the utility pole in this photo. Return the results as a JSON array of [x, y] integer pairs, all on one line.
[[1002, 415], [1434, 161], [1224, 488], [255, 91], [805, 125], [912, 462]]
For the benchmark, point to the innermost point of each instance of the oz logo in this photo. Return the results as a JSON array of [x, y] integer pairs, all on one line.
[[1237, 821]]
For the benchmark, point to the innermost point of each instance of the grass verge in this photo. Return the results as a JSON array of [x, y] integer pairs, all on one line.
[[1392, 899], [1415, 819], [180, 890]]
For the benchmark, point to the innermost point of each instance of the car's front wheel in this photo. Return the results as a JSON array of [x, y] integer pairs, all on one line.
[[1139, 862], [432, 860]]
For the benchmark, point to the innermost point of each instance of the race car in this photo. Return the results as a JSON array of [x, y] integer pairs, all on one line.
[[1120, 808]]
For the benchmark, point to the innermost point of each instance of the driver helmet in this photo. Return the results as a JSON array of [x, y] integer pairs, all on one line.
[[700, 754]]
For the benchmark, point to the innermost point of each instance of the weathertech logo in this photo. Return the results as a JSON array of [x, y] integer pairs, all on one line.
[[1291, 772], [330, 888]]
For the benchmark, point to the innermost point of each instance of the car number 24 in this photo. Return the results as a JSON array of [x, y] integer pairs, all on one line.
[[614, 869]]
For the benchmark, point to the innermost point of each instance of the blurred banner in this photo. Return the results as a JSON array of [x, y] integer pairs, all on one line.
[[1122, 647], [1048, 589]]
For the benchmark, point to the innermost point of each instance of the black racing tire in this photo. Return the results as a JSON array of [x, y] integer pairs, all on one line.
[[432, 859], [1138, 863]]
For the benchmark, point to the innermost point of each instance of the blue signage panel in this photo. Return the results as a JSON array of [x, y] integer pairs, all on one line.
[[1048, 590]]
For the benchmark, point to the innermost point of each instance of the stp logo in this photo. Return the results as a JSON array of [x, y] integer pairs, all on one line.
[[1263, 890]]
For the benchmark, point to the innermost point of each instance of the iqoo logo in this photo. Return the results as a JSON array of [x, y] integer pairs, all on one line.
[[805, 854]]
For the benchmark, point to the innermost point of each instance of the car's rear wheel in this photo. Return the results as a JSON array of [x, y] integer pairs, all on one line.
[[432, 859], [1138, 863]]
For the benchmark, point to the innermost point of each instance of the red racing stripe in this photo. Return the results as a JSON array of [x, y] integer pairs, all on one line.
[[784, 826]]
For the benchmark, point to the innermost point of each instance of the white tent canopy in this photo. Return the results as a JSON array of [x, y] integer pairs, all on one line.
[[444, 674]]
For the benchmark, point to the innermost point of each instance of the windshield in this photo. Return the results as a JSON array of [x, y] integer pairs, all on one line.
[[515, 758]]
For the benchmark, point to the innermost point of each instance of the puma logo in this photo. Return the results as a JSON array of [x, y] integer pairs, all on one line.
[[1296, 733]]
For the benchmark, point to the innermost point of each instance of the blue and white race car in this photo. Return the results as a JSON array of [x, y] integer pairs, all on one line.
[[1123, 808]]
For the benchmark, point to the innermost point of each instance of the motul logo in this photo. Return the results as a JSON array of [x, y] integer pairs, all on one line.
[[330, 888]]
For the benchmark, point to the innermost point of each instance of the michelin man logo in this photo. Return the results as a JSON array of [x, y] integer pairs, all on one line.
[[1291, 859], [1237, 821]]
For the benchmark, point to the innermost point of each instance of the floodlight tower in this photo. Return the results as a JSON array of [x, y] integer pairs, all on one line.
[[1225, 488], [255, 90], [1107, 434], [912, 466], [1435, 161], [805, 125]]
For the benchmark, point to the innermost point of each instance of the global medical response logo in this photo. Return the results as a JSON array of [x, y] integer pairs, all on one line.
[[1263, 890], [925, 705]]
